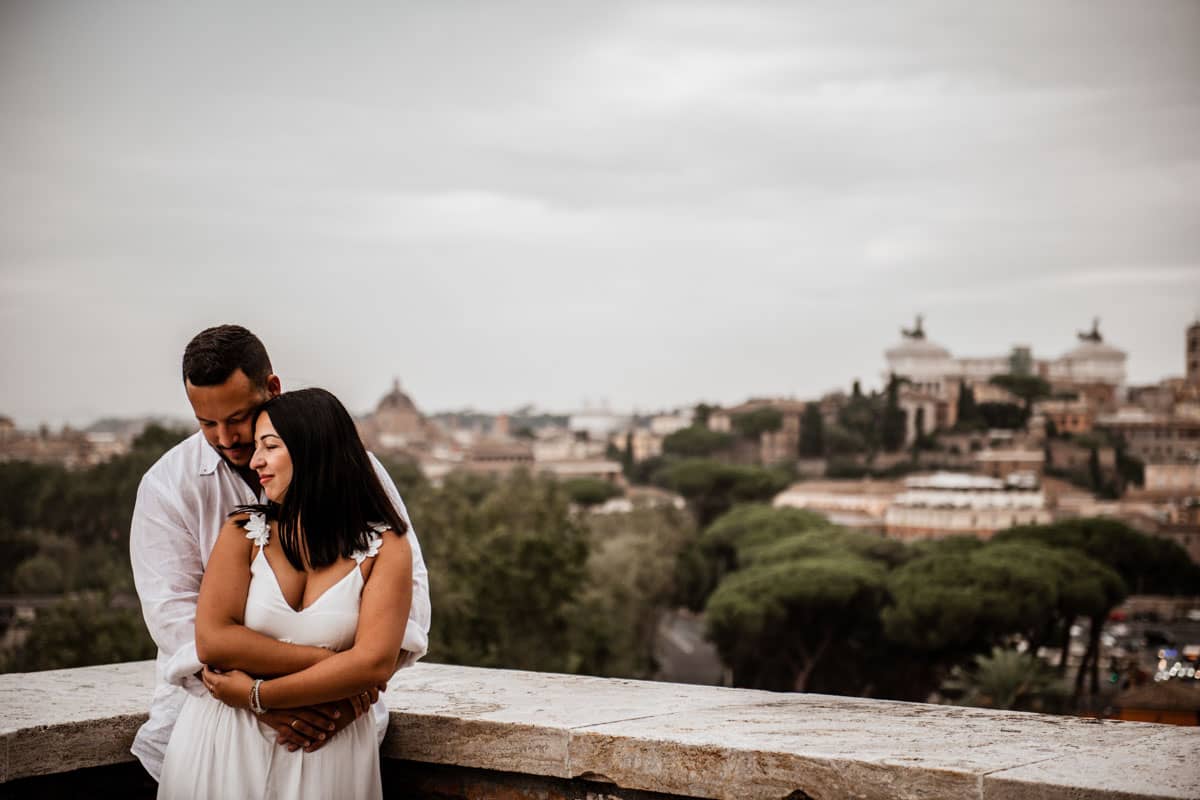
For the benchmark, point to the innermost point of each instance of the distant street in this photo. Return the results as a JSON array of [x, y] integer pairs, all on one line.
[[682, 653]]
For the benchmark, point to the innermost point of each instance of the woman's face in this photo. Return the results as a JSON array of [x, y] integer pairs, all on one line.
[[271, 460]]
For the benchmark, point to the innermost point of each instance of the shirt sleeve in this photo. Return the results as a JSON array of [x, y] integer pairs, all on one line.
[[416, 633], [167, 569]]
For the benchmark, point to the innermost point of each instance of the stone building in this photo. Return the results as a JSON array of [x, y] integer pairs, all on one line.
[[860, 504], [71, 448], [950, 504], [1180, 478], [1068, 416], [1001, 463], [1192, 355], [1155, 438], [397, 426], [496, 457], [928, 367], [771, 447], [1092, 370]]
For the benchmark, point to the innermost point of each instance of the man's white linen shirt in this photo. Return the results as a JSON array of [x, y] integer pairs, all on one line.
[[182, 503]]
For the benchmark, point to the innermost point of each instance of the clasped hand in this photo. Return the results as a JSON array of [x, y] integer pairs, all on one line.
[[307, 728]]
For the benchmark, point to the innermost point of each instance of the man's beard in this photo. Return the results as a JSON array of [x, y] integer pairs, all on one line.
[[223, 452]]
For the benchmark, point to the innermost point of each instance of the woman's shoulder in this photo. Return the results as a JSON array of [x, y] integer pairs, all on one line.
[[388, 547], [248, 523]]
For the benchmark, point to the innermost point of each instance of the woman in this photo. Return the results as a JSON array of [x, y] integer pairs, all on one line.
[[324, 565]]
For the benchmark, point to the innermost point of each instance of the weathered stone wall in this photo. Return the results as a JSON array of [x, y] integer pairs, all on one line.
[[499, 733]]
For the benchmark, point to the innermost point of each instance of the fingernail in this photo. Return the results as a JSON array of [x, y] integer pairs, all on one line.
[[291, 748], [322, 736], [330, 726], [337, 714]]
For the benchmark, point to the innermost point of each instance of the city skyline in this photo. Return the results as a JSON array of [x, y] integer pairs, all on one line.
[[870, 381], [652, 203]]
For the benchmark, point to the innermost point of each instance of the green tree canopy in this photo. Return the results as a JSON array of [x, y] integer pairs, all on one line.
[[966, 410], [1027, 387], [823, 540], [791, 597], [1006, 416], [591, 491], [841, 441], [82, 630], [156, 439], [783, 617], [38, 575], [752, 424], [1147, 564], [630, 578], [892, 426], [696, 442], [729, 539], [506, 560], [861, 416], [961, 597], [713, 487], [812, 432], [406, 474]]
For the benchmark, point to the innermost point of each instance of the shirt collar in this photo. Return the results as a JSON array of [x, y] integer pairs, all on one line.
[[210, 459]]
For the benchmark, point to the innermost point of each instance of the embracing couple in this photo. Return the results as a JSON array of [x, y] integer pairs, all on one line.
[[281, 579]]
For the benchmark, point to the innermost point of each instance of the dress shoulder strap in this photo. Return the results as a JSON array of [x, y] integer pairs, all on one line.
[[374, 540], [258, 529]]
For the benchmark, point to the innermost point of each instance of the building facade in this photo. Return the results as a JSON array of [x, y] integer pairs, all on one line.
[[1093, 370], [1192, 355], [954, 504], [1155, 438]]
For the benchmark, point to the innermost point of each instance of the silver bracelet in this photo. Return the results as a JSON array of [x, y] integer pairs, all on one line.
[[255, 703]]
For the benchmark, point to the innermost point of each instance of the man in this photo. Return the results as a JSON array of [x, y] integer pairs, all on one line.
[[183, 501]]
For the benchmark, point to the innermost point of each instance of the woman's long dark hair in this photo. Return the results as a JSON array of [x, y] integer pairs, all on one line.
[[335, 495]]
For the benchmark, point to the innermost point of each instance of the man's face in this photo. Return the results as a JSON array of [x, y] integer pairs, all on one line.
[[226, 414]]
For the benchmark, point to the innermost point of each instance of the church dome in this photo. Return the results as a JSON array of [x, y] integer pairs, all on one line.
[[396, 400]]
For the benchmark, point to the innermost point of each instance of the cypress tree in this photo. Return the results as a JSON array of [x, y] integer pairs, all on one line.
[[812, 432]]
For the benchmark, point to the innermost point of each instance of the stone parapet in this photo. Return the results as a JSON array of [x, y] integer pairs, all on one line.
[[637, 736]]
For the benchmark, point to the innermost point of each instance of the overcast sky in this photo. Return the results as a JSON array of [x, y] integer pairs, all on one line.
[[649, 203]]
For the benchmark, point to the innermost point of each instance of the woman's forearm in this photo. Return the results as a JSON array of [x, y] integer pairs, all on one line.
[[235, 646], [340, 675]]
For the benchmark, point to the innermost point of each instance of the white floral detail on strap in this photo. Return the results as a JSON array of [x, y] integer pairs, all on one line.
[[258, 529], [373, 543]]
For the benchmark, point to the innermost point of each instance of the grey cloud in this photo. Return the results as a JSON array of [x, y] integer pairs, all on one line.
[[545, 201]]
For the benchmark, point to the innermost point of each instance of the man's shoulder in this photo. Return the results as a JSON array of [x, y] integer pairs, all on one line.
[[184, 460]]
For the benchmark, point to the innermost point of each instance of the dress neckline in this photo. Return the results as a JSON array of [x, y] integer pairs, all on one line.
[[279, 589]]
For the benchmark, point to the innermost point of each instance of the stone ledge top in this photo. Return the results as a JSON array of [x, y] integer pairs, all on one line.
[[690, 740]]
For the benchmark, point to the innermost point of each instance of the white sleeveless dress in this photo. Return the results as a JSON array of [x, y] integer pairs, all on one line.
[[221, 752]]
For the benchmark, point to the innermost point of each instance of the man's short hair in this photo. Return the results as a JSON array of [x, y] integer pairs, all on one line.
[[215, 353]]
